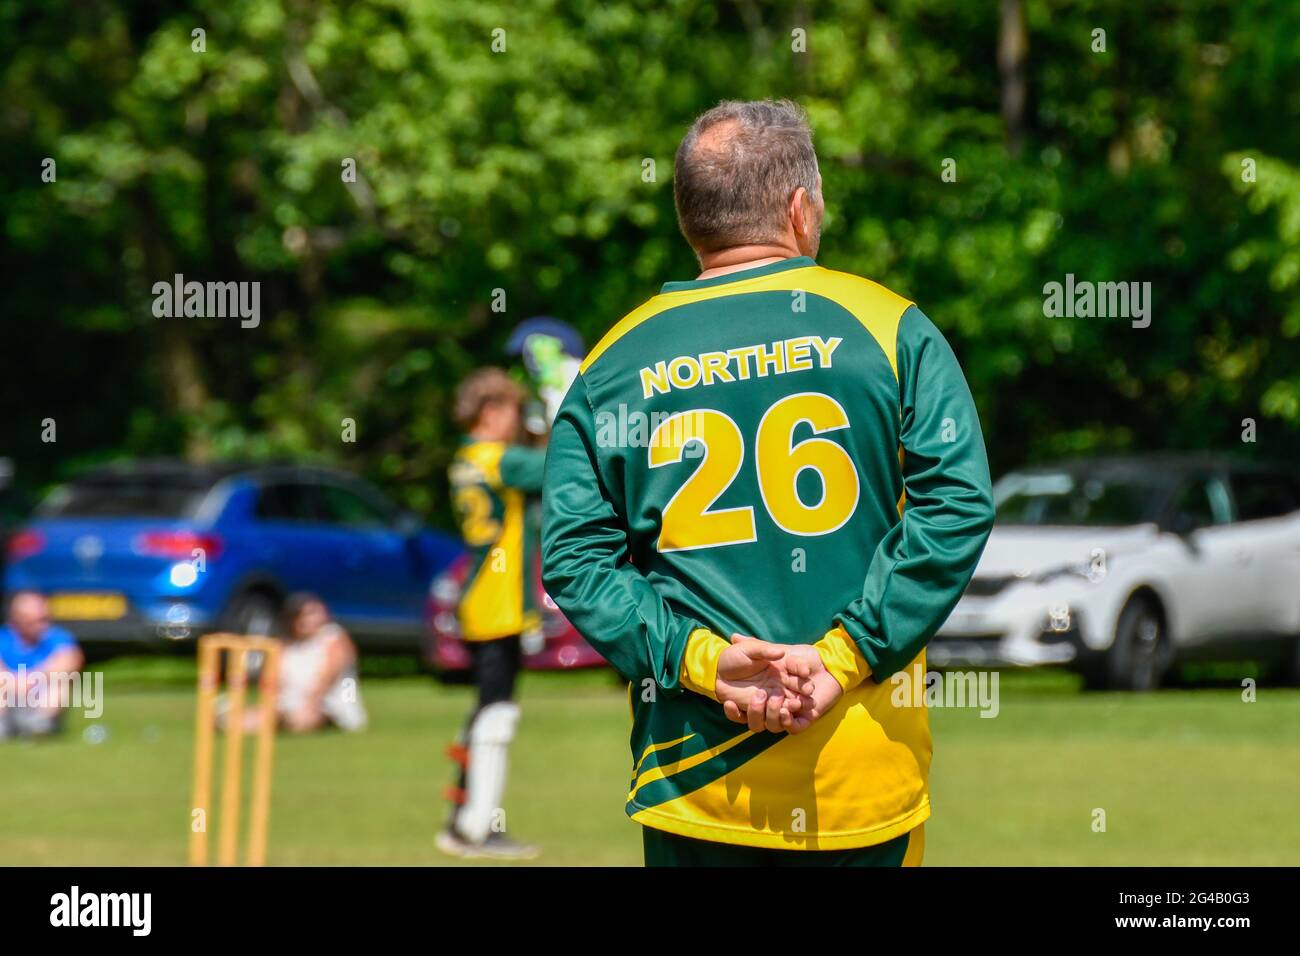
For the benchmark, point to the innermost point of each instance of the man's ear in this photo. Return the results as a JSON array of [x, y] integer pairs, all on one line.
[[800, 211]]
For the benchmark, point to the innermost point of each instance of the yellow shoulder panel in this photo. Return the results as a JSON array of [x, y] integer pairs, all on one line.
[[870, 303], [776, 281], [878, 309], [486, 457]]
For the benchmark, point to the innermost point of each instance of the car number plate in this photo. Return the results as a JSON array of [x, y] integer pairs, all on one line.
[[87, 607]]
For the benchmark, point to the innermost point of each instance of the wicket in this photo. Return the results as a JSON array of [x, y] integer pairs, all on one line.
[[236, 650]]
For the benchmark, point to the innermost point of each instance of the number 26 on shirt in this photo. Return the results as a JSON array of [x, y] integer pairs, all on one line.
[[689, 520]]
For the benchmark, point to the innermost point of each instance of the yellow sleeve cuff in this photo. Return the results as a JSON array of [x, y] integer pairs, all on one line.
[[700, 662], [842, 658]]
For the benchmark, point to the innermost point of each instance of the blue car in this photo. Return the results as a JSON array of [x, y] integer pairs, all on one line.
[[167, 551]]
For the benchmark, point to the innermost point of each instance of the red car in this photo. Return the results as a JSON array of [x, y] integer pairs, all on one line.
[[561, 648]]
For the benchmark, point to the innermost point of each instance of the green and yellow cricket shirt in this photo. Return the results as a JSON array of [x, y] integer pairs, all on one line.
[[490, 482], [786, 452]]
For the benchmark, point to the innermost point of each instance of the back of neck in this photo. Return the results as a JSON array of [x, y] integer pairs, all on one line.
[[739, 258]]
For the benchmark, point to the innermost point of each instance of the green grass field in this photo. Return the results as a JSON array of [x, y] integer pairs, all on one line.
[[1185, 777]]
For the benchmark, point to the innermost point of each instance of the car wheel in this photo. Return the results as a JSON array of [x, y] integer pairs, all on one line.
[[253, 612], [1139, 657], [1291, 668]]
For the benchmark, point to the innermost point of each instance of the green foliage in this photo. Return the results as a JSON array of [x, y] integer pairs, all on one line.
[[522, 170]]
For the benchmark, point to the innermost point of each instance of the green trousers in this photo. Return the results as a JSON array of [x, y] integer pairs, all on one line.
[[668, 849]]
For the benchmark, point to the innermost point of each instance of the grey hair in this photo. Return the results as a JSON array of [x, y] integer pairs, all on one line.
[[736, 191]]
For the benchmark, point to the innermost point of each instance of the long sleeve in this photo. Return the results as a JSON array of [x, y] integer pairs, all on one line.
[[585, 564], [522, 468], [924, 563]]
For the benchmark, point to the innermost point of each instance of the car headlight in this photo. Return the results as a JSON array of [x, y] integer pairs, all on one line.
[[183, 574], [1091, 571]]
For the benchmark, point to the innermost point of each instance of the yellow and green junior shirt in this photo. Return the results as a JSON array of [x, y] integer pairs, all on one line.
[[786, 452], [490, 483]]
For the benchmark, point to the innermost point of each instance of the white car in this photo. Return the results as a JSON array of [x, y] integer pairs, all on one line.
[[1119, 568]]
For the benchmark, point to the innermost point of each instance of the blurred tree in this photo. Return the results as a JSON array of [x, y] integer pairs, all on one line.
[[382, 168]]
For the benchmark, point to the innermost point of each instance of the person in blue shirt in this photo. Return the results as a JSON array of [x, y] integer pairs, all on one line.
[[35, 659]]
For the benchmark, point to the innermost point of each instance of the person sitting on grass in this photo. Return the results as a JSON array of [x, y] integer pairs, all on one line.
[[36, 657], [317, 683]]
